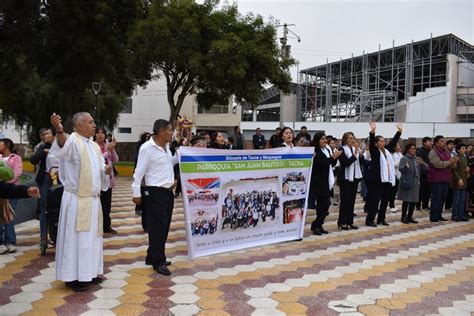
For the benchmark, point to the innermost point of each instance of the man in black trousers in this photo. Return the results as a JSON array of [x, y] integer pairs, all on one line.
[[155, 163], [39, 158]]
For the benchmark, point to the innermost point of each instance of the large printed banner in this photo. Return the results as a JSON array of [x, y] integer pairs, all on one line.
[[235, 199]]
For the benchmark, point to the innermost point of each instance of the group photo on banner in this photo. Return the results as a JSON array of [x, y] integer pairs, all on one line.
[[239, 199]]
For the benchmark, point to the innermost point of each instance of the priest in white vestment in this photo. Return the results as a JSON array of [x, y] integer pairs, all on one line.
[[83, 172]]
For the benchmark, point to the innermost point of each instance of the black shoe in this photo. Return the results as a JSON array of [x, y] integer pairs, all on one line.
[[352, 226], [384, 223], [148, 263], [343, 227], [465, 219], [434, 220], [372, 224], [110, 231], [442, 219], [97, 280], [412, 221], [163, 269], [317, 231], [77, 286], [323, 230], [405, 221]]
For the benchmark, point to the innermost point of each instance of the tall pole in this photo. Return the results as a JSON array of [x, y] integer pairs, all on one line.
[[285, 53]]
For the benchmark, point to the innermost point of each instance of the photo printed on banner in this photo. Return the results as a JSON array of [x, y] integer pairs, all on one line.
[[249, 203], [204, 221], [294, 184], [293, 211]]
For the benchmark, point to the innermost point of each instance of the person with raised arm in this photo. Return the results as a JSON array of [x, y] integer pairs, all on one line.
[[84, 174], [380, 176]]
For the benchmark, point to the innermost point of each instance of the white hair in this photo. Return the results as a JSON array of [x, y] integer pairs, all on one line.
[[79, 117]]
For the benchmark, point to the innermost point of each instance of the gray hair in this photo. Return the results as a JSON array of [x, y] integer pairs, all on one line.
[[79, 117]]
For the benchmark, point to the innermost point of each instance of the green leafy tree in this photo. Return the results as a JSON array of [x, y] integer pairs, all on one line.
[[51, 51], [214, 54]]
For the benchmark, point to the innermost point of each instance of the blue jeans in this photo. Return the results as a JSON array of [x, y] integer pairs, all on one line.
[[458, 203], [42, 201], [439, 191], [8, 229]]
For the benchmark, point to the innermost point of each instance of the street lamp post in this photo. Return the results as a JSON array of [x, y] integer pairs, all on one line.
[[96, 89]]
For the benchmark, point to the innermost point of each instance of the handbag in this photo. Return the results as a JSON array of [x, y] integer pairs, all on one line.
[[407, 182], [7, 214]]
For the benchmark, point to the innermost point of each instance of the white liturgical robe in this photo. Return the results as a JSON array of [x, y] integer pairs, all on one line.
[[79, 254]]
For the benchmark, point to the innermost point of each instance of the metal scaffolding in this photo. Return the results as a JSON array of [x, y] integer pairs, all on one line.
[[370, 86]]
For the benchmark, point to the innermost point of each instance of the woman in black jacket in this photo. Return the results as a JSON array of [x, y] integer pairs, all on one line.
[[350, 174], [380, 176], [322, 180], [218, 141]]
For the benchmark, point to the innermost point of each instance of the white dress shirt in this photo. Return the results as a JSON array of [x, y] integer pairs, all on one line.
[[156, 164]]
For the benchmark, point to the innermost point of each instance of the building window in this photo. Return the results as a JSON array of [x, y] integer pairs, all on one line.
[[215, 109], [127, 107], [125, 130]]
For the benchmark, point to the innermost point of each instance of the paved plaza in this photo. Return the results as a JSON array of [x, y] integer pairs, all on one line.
[[397, 270]]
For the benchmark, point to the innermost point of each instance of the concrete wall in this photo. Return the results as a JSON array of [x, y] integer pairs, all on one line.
[[465, 74], [428, 106]]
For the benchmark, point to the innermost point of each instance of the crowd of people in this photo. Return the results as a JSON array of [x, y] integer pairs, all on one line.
[[201, 227], [205, 197], [437, 176], [244, 210]]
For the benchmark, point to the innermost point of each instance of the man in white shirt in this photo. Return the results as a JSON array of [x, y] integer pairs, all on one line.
[[155, 163], [82, 171]]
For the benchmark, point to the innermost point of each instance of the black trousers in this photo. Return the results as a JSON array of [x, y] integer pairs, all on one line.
[[393, 194], [377, 193], [142, 208], [159, 203], [322, 206], [407, 210], [106, 201], [425, 193], [346, 207], [448, 204]]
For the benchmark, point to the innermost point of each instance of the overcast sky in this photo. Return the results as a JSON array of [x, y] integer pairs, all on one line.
[[335, 28]]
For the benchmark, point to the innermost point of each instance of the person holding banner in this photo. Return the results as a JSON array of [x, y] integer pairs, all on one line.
[[156, 163], [287, 137], [218, 141], [322, 180]]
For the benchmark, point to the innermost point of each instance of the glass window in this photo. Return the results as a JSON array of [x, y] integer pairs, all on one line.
[[125, 130]]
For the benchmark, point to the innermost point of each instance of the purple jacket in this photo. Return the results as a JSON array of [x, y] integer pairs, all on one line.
[[440, 168]]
